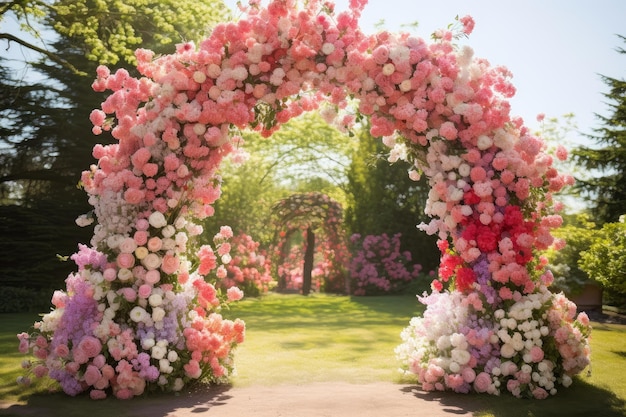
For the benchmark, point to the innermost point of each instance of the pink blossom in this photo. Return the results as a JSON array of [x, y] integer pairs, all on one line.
[[482, 382], [234, 294]]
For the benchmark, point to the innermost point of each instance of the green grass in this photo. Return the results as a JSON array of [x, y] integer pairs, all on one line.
[[297, 340]]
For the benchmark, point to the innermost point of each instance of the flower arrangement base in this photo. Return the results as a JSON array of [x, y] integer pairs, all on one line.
[[142, 313]]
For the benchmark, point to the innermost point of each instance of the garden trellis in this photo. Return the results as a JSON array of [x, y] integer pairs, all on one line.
[[141, 313], [310, 213]]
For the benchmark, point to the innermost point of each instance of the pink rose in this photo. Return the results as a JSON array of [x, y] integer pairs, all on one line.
[[155, 244], [540, 393], [92, 375], [192, 369], [62, 351], [482, 382], [170, 264], [152, 277], [536, 354], [144, 291], [469, 375], [97, 394], [40, 371], [125, 260], [90, 345]]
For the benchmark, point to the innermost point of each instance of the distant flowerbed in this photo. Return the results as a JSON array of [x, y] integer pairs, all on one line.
[[142, 311], [378, 266]]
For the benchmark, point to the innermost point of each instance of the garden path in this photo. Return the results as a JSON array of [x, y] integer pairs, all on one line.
[[322, 399]]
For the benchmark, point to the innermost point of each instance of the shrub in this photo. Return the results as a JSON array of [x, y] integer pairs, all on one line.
[[21, 300], [605, 261], [564, 262], [378, 266]]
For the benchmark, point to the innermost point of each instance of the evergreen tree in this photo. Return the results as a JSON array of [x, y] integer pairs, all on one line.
[[607, 191]]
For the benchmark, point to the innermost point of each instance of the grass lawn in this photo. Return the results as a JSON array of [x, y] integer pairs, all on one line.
[[296, 340]]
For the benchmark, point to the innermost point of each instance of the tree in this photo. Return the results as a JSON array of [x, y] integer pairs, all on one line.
[[383, 199], [306, 154], [607, 191], [109, 31], [605, 260]]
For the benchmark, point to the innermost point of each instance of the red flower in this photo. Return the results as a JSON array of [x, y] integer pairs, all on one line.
[[486, 239], [470, 198], [465, 278]]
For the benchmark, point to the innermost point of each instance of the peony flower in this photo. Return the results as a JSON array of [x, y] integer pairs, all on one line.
[[234, 294]]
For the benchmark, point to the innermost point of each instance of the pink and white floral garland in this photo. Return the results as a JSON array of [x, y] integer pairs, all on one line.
[[139, 314]]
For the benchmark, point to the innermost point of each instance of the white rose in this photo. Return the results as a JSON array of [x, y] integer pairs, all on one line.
[[460, 356], [155, 300], [138, 314], [168, 244], [151, 261], [158, 314], [507, 351], [157, 220], [124, 274], [172, 356], [178, 384], [168, 231], [147, 343], [114, 241], [165, 367], [484, 142], [158, 352], [328, 48], [389, 69], [128, 245]]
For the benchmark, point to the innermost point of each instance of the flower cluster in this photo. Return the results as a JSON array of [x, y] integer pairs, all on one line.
[[378, 266], [249, 268], [144, 321], [528, 349], [140, 312]]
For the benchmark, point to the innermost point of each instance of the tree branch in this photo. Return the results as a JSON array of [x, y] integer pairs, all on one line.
[[50, 55]]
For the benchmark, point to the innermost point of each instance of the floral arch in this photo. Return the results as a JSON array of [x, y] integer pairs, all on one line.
[[309, 213], [141, 313]]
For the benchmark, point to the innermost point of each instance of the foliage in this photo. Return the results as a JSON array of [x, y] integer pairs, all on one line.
[[378, 266], [578, 235], [109, 31], [377, 186], [605, 260], [17, 300], [607, 160], [305, 155]]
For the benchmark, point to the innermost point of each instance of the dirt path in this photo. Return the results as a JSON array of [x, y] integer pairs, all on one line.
[[325, 399]]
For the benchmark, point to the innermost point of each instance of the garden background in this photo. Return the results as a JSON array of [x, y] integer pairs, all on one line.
[[43, 160]]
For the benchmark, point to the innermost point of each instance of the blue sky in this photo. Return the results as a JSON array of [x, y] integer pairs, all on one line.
[[555, 48]]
